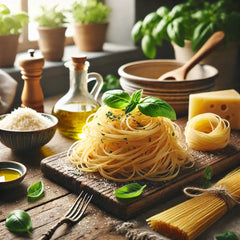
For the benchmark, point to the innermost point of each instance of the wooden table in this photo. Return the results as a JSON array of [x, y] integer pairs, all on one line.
[[57, 200]]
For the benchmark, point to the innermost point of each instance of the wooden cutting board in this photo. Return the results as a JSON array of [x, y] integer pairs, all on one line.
[[58, 169]]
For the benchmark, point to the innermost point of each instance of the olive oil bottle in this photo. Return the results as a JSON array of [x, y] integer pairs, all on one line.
[[74, 108]]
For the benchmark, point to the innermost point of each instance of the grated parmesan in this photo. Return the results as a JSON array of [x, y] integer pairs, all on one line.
[[25, 119]]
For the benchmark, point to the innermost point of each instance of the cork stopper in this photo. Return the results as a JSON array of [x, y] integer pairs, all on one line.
[[79, 63], [31, 70]]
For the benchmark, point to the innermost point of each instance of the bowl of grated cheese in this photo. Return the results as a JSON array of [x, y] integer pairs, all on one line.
[[24, 129]]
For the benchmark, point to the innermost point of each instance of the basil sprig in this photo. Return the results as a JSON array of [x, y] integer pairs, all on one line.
[[19, 221], [129, 191], [150, 106], [35, 191]]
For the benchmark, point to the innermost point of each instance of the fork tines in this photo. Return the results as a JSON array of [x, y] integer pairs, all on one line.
[[79, 206]]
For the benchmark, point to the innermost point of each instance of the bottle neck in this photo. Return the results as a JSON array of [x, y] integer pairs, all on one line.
[[78, 81]]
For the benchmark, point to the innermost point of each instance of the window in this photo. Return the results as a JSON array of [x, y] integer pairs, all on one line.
[[29, 34]]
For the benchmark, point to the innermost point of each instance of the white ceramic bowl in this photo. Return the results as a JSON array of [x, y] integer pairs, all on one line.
[[144, 74]]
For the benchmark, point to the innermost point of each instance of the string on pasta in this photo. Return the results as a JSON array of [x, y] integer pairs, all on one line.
[[189, 219], [129, 147], [207, 132]]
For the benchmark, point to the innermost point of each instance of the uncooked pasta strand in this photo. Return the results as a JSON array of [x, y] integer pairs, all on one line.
[[189, 219], [130, 147]]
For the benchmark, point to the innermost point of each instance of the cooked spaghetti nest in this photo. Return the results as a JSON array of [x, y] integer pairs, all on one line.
[[207, 132], [130, 147]]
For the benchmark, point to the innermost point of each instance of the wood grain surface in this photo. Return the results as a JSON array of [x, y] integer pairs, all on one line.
[[58, 169]]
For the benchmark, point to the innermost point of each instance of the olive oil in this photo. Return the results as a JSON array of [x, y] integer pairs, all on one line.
[[72, 117], [73, 109], [8, 174]]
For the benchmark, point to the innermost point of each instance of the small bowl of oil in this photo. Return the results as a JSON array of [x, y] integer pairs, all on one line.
[[11, 174]]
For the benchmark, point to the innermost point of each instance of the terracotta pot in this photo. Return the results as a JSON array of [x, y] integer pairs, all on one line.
[[90, 37], [8, 49], [51, 42], [223, 58]]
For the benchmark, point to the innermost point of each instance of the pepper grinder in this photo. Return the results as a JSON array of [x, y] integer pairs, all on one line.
[[31, 70]]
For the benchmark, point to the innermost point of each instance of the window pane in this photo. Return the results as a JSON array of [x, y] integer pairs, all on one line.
[[34, 10], [14, 6]]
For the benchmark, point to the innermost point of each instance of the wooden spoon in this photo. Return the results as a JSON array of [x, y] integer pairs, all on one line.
[[180, 73]]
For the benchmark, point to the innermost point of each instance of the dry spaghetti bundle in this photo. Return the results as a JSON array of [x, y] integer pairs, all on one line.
[[207, 132], [129, 147], [190, 218]]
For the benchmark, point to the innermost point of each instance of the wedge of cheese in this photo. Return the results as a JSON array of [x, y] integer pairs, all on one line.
[[225, 103]]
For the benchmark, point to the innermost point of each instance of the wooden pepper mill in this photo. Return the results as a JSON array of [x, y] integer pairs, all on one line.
[[32, 94]]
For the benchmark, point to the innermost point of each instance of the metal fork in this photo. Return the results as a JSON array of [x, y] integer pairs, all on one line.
[[73, 215]]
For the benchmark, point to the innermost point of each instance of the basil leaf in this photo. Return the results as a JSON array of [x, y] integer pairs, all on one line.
[[130, 107], [175, 31], [116, 98], [207, 177], [200, 35], [208, 173], [160, 31], [19, 221], [136, 97], [136, 32], [35, 191], [155, 107], [129, 191], [162, 11], [226, 236], [148, 46]]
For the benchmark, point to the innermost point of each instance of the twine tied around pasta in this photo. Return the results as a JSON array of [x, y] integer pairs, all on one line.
[[219, 191]]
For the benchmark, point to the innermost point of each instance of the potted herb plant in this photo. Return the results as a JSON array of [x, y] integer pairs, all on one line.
[[188, 25], [51, 31], [90, 24], [10, 28]]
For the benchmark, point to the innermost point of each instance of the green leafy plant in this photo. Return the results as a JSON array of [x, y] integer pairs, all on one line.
[[110, 82], [150, 106], [51, 17], [226, 236], [19, 221], [90, 11], [11, 23], [131, 190], [193, 20], [35, 191]]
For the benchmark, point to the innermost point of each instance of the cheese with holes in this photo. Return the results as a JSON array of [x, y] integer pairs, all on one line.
[[225, 103]]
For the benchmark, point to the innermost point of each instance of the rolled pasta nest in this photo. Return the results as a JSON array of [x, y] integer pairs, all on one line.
[[207, 132]]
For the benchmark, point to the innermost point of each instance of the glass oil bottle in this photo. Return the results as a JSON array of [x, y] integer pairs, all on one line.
[[73, 109]]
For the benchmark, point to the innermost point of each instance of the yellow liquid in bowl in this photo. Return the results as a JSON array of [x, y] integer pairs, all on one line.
[[8, 175], [72, 117]]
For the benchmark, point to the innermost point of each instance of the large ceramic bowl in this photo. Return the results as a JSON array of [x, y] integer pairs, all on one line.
[[28, 140], [15, 166], [144, 74]]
